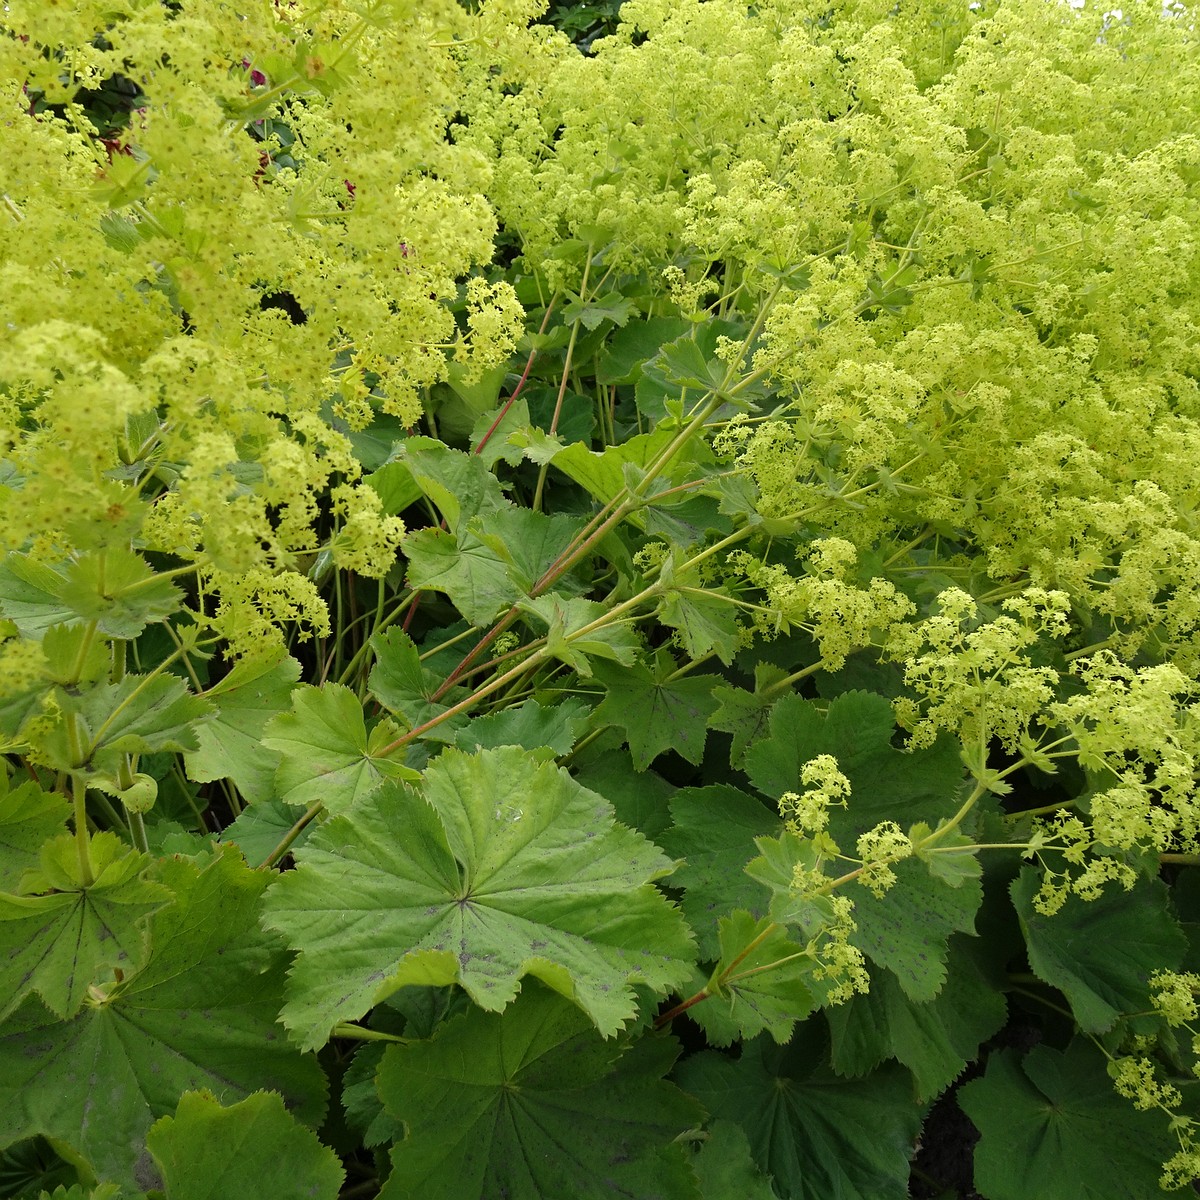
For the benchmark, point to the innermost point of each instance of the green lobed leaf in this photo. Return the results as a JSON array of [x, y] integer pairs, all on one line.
[[76, 935], [207, 1152], [528, 725], [29, 596], [404, 686], [857, 728], [601, 474], [142, 714], [118, 590], [459, 484], [1100, 953], [907, 928], [360, 1098], [725, 1167], [470, 573], [744, 714], [326, 752], [568, 636], [935, 1039], [507, 868], [768, 989], [496, 425], [703, 623], [231, 744], [1053, 1127], [639, 800], [28, 817], [527, 542], [532, 1103], [629, 348], [657, 711], [713, 832], [114, 587], [201, 1014], [817, 1135], [260, 827]]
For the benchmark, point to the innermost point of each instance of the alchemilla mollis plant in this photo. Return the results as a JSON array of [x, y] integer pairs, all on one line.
[[599, 617]]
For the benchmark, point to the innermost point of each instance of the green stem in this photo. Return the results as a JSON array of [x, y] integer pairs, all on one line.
[[285, 843], [137, 831], [347, 1029], [83, 845]]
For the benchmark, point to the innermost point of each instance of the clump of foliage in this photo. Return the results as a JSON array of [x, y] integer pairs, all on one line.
[[598, 623]]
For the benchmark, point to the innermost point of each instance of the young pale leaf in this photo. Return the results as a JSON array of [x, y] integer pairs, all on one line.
[[819, 1136], [206, 1152], [29, 596], [934, 1040], [200, 1014], [118, 590], [531, 1104], [907, 928], [529, 725], [1100, 953], [326, 753], [114, 587], [768, 989], [231, 745], [527, 542], [507, 868], [470, 573], [714, 831], [142, 714], [726, 1169], [404, 686], [1054, 1128], [703, 621], [602, 475], [656, 711], [59, 944], [28, 817], [568, 636], [459, 484]]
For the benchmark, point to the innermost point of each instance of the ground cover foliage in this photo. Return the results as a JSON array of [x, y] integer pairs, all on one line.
[[598, 603]]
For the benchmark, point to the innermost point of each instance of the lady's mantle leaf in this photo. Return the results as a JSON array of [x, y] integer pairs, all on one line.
[[206, 1152], [934, 1040], [725, 1168], [506, 867], [231, 745], [200, 1014], [885, 783], [767, 989], [60, 943], [328, 755], [1100, 953], [28, 817], [907, 928], [532, 1104], [714, 833], [819, 1136], [529, 725], [657, 711], [1052, 1127]]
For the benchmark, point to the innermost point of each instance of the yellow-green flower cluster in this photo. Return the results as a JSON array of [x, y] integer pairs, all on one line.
[[278, 234], [840, 615], [975, 677]]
